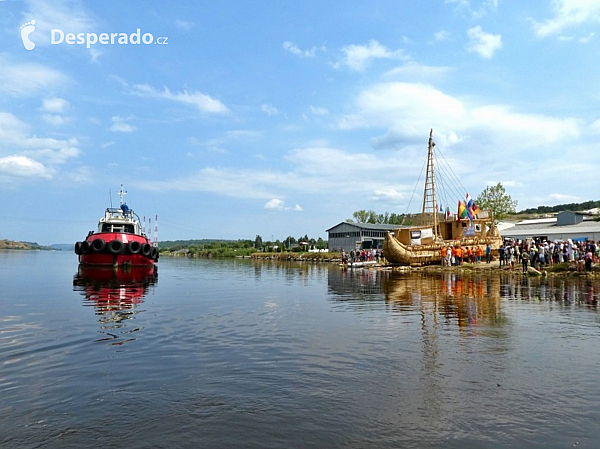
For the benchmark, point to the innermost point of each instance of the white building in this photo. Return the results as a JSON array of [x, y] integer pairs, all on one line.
[[565, 225]]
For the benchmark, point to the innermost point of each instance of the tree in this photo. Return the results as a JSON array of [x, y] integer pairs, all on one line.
[[258, 243], [496, 200]]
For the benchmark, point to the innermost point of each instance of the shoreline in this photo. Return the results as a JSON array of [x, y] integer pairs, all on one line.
[[563, 269]]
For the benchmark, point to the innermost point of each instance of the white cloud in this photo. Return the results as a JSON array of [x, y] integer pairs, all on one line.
[[32, 156], [485, 6], [55, 105], [586, 39], [319, 111], [410, 107], [119, 125], [442, 35], [184, 25], [277, 204], [409, 110], [203, 102], [23, 167], [274, 204], [482, 43], [295, 50], [358, 57], [568, 14], [415, 71], [269, 109], [25, 79], [56, 120]]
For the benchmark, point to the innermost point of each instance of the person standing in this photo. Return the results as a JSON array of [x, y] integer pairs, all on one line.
[[488, 253], [524, 260]]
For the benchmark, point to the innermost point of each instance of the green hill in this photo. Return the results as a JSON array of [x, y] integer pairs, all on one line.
[[11, 244]]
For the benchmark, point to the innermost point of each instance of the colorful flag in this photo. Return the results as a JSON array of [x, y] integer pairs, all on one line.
[[462, 210], [447, 212], [469, 201], [471, 207]]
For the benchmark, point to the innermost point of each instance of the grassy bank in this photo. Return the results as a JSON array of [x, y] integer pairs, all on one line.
[[300, 256]]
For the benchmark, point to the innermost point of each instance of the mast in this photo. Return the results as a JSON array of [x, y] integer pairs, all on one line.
[[429, 204], [122, 194]]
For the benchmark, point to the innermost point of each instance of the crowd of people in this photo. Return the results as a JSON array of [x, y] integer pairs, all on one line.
[[362, 255], [541, 253], [454, 255], [536, 253]]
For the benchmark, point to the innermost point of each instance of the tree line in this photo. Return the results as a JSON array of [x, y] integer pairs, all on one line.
[[493, 199]]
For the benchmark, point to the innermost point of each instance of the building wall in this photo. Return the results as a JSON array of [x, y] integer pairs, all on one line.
[[349, 236]]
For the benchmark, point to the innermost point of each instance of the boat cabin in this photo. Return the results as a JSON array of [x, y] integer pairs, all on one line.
[[119, 220], [447, 230]]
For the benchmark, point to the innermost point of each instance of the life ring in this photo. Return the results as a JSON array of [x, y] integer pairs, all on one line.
[[154, 253], [85, 247], [98, 245], [78, 248], [146, 249], [134, 247], [115, 247]]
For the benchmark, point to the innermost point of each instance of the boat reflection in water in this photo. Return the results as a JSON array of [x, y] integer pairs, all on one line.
[[467, 301], [452, 298], [115, 294]]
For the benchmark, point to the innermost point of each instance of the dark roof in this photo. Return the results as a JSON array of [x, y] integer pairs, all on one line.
[[368, 226]]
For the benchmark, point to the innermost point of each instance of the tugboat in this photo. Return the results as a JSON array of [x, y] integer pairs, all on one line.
[[119, 241]]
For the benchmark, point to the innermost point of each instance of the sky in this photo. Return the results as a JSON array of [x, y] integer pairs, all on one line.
[[239, 118]]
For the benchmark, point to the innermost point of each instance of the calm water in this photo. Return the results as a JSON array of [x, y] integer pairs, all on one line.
[[249, 354]]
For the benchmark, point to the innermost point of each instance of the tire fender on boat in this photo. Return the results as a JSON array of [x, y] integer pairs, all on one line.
[[154, 253], [98, 245], [78, 248], [85, 247], [115, 247], [146, 249], [134, 247]]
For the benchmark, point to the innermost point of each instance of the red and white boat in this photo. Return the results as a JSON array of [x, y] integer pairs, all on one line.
[[119, 241]]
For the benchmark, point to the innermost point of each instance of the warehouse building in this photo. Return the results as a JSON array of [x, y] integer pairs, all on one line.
[[565, 225], [352, 236]]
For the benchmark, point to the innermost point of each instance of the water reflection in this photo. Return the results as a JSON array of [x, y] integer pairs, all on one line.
[[115, 295], [467, 300], [567, 291]]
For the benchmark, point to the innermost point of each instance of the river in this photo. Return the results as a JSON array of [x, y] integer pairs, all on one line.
[[241, 353]]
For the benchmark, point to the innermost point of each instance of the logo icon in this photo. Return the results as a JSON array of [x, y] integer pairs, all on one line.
[[26, 30]]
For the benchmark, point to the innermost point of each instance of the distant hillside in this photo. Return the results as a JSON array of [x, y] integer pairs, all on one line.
[[63, 246], [11, 244], [561, 207], [187, 243]]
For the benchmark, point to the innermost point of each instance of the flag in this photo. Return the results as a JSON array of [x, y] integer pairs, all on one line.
[[447, 212], [470, 214], [471, 207], [462, 210], [441, 209], [469, 201]]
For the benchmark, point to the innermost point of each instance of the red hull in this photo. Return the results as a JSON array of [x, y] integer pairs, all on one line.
[[116, 249]]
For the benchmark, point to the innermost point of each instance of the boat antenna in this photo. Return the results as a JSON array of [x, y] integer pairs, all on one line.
[[110, 197], [122, 193]]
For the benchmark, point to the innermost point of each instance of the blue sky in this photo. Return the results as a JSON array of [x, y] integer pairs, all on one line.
[[282, 118]]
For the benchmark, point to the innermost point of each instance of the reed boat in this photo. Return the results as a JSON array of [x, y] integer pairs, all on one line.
[[423, 244]]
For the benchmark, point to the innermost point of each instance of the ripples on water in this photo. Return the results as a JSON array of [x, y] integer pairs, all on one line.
[[241, 353]]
